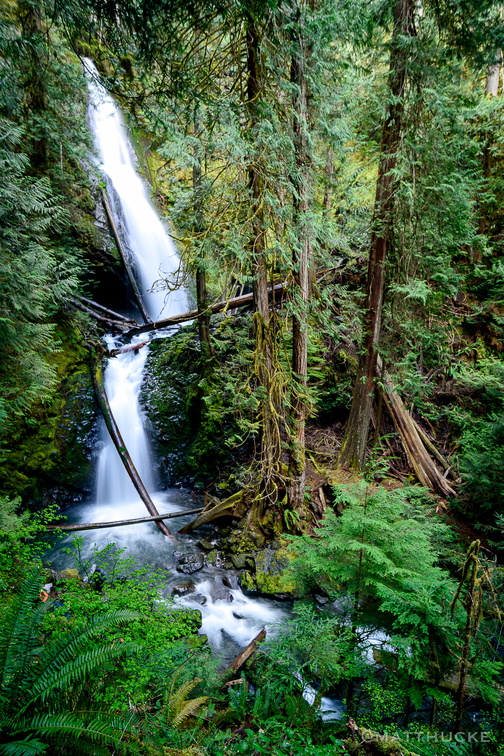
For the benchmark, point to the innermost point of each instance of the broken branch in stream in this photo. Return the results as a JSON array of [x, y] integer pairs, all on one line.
[[124, 258], [231, 304], [120, 523], [240, 660], [124, 454]]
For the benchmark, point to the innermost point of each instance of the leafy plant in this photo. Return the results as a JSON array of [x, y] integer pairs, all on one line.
[[41, 683]]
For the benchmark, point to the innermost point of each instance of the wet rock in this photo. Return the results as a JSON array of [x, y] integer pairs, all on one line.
[[274, 574], [321, 600], [183, 588], [189, 561], [231, 581], [212, 557], [219, 591], [205, 545], [237, 616], [199, 598], [239, 561], [258, 540], [70, 574], [228, 565]]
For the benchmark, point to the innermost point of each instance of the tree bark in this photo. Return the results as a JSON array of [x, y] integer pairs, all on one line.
[[270, 449], [201, 286], [124, 455], [493, 77], [101, 308], [120, 523], [117, 325], [353, 449], [301, 256], [240, 660], [425, 469], [245, 300]]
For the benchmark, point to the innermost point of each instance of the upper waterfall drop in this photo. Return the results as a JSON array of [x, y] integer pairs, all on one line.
[[154, 252]]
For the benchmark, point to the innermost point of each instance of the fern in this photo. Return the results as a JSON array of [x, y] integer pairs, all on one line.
[[178, 708], [30, 674]]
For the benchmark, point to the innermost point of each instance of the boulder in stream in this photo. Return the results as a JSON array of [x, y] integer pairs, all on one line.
[[183, 588], [189, 561]]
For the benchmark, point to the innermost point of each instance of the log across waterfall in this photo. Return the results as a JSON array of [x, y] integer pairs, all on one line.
[[123, 452]]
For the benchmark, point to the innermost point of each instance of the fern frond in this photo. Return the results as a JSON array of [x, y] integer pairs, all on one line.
[[75, 670], [22, 748], [18, 632], [63, 653], [177, 698], [102, 729], [188, 710]]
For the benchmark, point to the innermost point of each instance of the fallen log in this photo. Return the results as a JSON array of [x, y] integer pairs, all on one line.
[[219, 509], [240, 660], [234, 303], [118, 325], [124, 258], [124, 455], [120, 523], [101, 308], [436, 453], [131, 348], [424, 467]]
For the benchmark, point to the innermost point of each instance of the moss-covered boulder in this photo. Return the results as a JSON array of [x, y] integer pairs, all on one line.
[[274, 574]]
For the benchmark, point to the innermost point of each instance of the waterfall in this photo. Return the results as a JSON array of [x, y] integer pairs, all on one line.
[[152, 249]]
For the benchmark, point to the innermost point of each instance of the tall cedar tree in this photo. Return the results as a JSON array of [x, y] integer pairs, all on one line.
[[353, 450]]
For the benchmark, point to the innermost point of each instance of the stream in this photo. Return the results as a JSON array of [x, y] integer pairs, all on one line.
[[230, 619]]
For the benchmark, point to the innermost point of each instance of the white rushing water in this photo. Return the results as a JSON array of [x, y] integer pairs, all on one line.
[[153, 251]]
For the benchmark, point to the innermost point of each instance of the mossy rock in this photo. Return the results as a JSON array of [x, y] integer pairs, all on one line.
[[53, 447], [274, 574]]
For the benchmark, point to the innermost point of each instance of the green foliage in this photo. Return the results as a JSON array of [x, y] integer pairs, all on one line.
[[164, 636], [21, 542], [381, 540], [41, 686]]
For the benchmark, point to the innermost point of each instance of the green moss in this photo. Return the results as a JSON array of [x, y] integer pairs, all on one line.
[[53, 445], [274, 573]]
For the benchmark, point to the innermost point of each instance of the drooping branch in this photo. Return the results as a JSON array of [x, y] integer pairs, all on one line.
[[124, 455]]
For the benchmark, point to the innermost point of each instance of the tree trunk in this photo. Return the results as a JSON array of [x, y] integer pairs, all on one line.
[[493, 76], [201, 288], [120, 523], [353, 449], [270, 442], [301, 255], [275, 293], [116, 437]]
